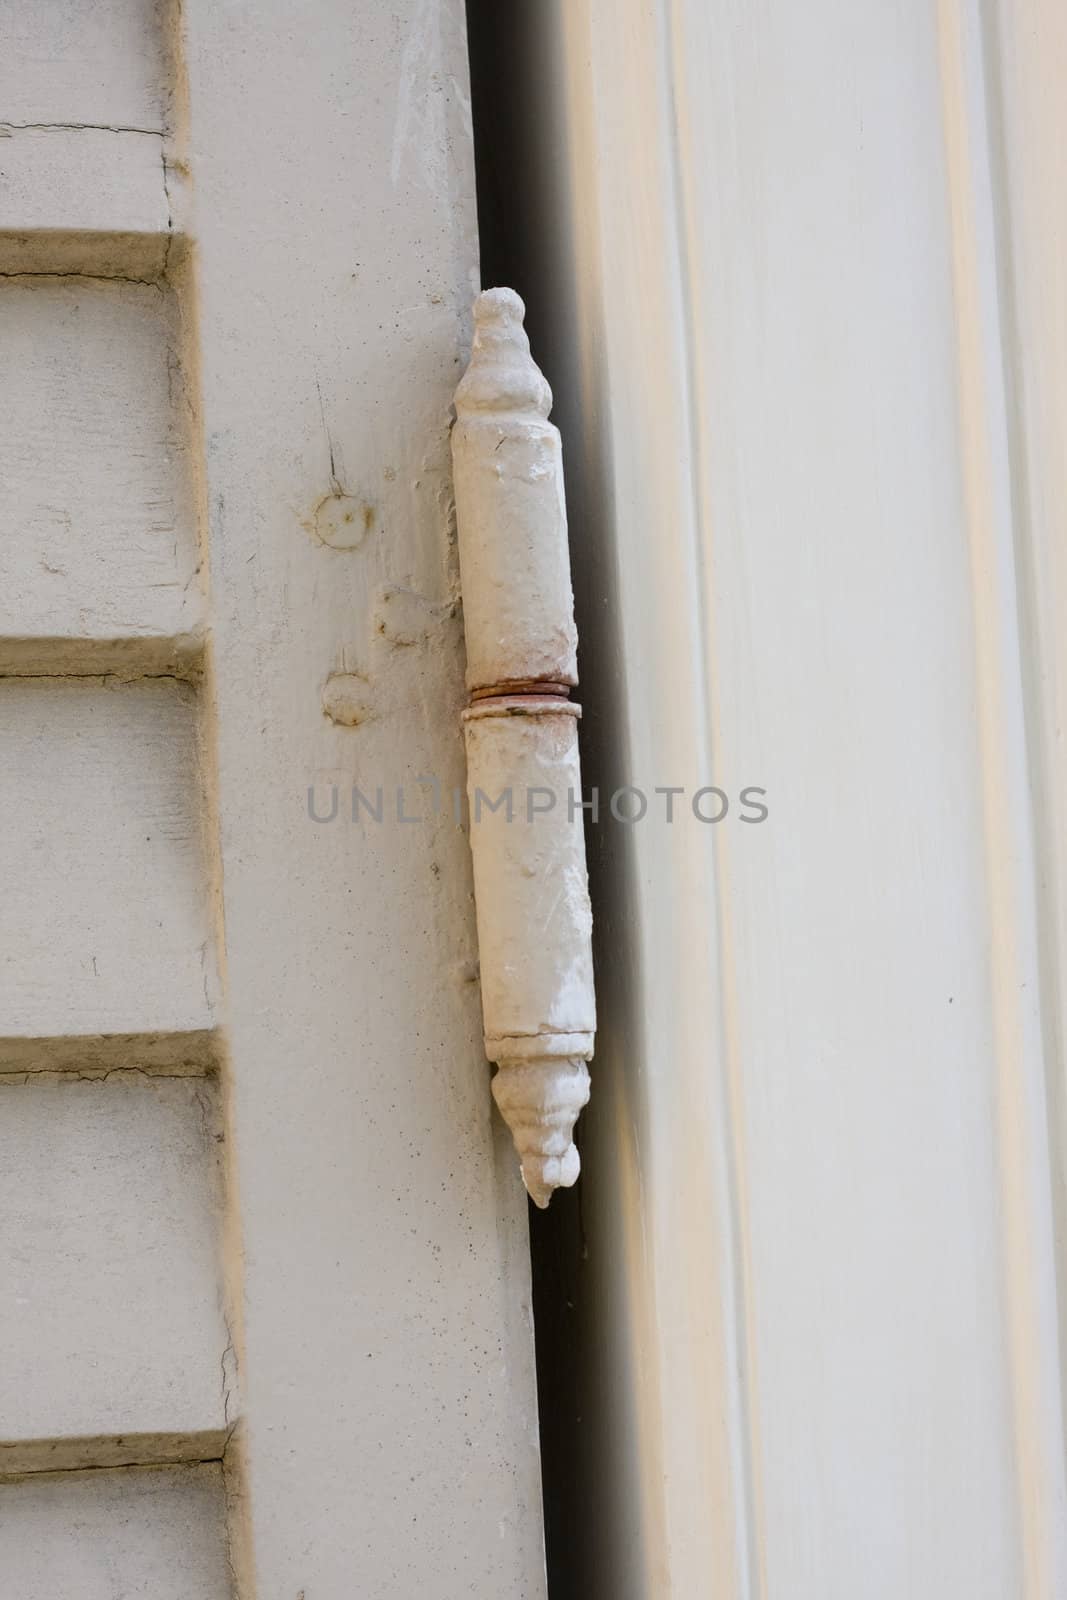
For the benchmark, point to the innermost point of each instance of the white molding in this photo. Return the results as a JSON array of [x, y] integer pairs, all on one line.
[[991, 433], [819, 1152]]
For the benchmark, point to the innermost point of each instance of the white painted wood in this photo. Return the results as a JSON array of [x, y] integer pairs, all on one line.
[[85, 200], [105, 922], [155, 1535], [1028, 43], [96, 62], [389, 1434], [98, 549], [998, 537], [110, 1319], [821, 1152]]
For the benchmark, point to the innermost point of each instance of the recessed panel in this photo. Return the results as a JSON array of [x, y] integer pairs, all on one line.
[[110, 1320], [98, 538], [84, 200], [152, 1535], [105, 923], [96, 62]]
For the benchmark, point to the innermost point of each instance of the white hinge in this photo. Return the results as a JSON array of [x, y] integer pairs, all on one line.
[[521, 728]]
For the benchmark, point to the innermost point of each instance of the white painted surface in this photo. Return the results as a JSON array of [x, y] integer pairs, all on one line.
[[1030, 41], [524, 789], [819, 1221], [116, 1348], [155, 1535], [389, 1437], [99, 537], [523, 779], [534, 924], [518, 609], [96, 62], [105, 924], [85, 200], [110, 1317]]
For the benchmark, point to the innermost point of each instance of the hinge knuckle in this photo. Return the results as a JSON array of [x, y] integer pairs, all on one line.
[[521, 732]]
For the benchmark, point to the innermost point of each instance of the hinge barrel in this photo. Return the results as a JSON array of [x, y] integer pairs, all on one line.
[[524, 782]]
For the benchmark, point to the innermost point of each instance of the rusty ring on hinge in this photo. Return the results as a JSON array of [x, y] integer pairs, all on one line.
[[522, 686]]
